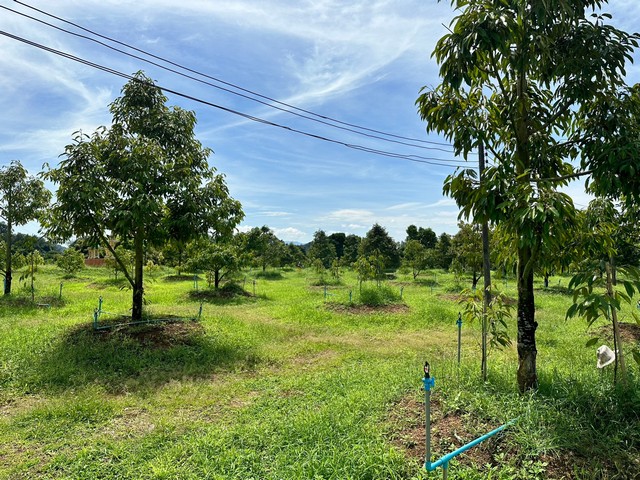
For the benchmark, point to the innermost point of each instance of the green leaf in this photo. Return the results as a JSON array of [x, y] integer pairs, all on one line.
[[636, 356], [628, 286], [592, 341]]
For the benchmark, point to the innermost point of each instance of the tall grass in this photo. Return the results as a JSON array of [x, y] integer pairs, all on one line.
[[281, 385]]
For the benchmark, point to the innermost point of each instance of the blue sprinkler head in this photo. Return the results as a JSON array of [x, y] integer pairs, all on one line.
[[428, 382]]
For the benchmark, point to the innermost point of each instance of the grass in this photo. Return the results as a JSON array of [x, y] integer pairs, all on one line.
[[277, 384]]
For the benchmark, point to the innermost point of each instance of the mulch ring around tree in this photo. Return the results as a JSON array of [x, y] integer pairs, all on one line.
[[170, 333], [212, 294], [630, 332], [180, 278], [356, 309], [450, 430]]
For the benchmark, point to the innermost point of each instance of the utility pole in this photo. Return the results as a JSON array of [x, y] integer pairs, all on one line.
[[486, 268]]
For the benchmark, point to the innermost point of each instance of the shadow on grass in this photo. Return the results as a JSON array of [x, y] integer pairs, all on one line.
[[138, 358], [557, 289], [426, 282], [120, 283], [269, 275], [24, 302], [594, 405]]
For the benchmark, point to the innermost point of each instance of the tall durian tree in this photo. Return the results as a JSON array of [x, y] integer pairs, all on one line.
[[536, 81]]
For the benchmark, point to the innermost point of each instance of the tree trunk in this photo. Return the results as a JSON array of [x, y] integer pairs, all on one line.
[[138, 288], [180, 254], [527, 375], [546, 280], [33, 274], [486, 272], [7, 273], [216, 281], [611, 281]]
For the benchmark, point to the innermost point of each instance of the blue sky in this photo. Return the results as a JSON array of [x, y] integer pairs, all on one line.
[[361, 62]]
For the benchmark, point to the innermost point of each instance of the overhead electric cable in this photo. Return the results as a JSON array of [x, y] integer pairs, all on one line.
[[222, 88], [412, 158], [326, 119]]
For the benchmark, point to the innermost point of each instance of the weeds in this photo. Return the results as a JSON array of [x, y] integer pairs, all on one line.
[[276, 386]]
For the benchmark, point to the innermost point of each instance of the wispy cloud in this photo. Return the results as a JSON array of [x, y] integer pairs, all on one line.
[[276, 214], [404, 206], [290, 234]]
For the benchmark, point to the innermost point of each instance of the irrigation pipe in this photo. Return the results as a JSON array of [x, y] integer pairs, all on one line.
[[429, 383]]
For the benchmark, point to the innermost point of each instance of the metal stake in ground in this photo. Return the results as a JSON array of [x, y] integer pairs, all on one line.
[[459, 323], [429, 383]]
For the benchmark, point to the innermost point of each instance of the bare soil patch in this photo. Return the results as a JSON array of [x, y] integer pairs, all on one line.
[[630, 332], [452, 297], [451, 429], [355, 309]]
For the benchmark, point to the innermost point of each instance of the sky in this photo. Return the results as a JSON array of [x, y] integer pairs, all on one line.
[[359, 62]]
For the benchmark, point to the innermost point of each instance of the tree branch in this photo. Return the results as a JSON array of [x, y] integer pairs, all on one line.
[[564, 177], [561, 111], [492, 58], [108, 246]]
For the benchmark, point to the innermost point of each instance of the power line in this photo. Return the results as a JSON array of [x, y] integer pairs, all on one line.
[[319, 118], [219, 87], [412, 158]]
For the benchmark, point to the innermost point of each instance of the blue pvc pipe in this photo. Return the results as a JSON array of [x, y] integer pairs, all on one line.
[[444, 461]]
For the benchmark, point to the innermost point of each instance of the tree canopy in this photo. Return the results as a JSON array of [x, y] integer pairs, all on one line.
[[22, 198], [322, 248], [378, 242], [263, 247], [426, 236], [145, 179]]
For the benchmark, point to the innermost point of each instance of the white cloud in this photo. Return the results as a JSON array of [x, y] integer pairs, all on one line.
[[290, 234], [275, 214], [351, 216], [404, 206], [355, 220], [445, 202]]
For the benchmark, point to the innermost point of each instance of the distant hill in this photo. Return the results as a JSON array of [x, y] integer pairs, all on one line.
[[23, 243]]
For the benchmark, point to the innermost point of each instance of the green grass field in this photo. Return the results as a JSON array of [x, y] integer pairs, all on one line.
[[290, 384]]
